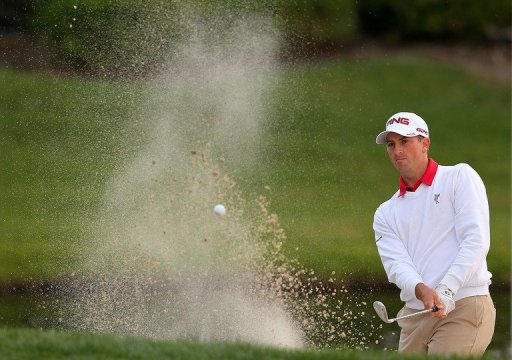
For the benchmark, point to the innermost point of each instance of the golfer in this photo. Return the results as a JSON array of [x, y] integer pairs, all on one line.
[[433, 237]]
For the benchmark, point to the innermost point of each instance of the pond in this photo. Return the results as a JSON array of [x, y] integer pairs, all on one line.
[[37, 309]]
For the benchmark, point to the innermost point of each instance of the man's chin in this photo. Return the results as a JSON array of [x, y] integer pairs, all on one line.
[[400, 165]]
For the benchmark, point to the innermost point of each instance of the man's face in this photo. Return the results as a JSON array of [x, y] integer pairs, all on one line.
[[407, 154]]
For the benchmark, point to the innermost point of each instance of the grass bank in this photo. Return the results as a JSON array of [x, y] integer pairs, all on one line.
[[328, 176], [35, 344], [61, 140]]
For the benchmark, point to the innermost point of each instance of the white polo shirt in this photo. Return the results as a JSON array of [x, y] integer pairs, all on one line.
[[437, 234]]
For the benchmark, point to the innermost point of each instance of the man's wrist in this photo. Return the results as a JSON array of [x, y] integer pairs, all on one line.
[[419, 290]]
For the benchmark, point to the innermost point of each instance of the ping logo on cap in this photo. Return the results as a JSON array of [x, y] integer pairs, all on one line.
[[400, 120], [404, 123]]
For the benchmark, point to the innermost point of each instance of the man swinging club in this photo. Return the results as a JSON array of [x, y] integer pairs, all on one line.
[[433, 237]]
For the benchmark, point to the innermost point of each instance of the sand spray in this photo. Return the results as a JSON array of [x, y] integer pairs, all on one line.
[[156, 260]]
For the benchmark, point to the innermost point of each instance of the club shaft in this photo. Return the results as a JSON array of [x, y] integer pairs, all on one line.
[[413, 314]]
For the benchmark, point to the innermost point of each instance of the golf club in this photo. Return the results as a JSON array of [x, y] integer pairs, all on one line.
[[380, 309]]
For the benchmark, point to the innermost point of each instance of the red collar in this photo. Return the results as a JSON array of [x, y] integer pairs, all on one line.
[[427, 178]]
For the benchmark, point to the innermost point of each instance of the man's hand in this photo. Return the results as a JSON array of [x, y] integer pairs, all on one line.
[[446, 297], [430, 297]]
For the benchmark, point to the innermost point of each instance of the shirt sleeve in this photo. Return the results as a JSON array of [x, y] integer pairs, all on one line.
[[397, 262], [471, 227]]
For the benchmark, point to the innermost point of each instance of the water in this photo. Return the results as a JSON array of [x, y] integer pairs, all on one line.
[[40, 307]]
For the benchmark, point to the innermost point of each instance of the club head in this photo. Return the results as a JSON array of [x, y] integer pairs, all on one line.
[[380, 309]]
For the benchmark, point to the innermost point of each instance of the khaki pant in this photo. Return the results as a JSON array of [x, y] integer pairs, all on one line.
[[467, 330]]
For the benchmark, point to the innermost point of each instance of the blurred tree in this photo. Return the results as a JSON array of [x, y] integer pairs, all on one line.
[[128, 37], [15, 15], [317, 25], [439, 20]]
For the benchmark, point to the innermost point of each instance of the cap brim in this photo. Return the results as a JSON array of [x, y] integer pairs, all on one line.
[[381, 138]]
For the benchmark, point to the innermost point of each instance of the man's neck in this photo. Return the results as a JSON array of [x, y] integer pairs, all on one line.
[[412, 178]]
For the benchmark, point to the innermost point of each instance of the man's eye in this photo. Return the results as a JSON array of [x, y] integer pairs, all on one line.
[[404, 141]]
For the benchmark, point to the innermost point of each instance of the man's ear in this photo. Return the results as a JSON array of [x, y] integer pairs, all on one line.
[[426, 144]]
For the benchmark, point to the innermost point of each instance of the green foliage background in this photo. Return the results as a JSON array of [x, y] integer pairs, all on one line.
[[128, 37], [440, 20]]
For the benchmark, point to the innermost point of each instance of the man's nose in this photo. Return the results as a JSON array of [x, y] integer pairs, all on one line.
[[398, 149]]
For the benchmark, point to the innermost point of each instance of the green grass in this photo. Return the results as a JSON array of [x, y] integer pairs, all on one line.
[[57, 153], [61, 139], [328, 176], [35, 344]]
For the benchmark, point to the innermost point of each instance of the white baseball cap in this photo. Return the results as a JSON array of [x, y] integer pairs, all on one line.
[[406, 124]]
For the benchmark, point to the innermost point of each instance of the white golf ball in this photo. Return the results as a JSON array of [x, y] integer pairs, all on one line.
[[219, 209]]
